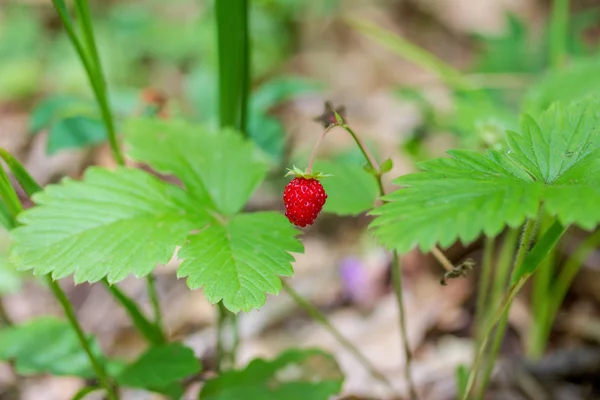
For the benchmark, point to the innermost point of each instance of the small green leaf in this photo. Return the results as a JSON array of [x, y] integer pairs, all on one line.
[[221, 169], [54, 108], [350, 190], [294, 375], [75, 133], [160, 366], [46, 345], [539, 252], [237, 261], [386, 166], [110, 224]]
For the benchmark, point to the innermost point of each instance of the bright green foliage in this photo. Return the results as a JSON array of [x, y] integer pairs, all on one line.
[[267, 132], [578, 80], [110, 224], [46, 345], [553, 162], [294, 375], [126, 221], [512, 51], [350, 189], [251, 250], [160, 367], [73, 123], [220, 168]]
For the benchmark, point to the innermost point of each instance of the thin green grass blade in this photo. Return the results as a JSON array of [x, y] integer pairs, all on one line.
[[234, 66]]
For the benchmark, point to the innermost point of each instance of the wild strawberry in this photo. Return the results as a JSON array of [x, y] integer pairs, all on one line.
[[304, 198]]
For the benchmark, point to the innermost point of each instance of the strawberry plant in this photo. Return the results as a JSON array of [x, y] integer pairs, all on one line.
[[528, 185]]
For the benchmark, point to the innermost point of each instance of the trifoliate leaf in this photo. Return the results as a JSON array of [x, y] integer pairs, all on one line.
[[553, 162], [110, 224], [294, 375], [46, 345], [237, 261], [350, 189], [160, 366], [218, 168]]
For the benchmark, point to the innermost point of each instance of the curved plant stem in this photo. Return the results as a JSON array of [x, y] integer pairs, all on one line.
[[5, 319], [93, 70], [319, 317], [90, 59], [526, 237], [149, 330], [397, 282], [226, 346], [31, 187], [396, 272], [96, 364], [562, 283], [153, 295], [484, 288]]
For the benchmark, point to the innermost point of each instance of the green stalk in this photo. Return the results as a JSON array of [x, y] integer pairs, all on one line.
[[526, 237], [226, 347], [541, 286], [68, 309], [93, 71], [8, 192], [321, 318], [233, 42], [234, 62], [520, 275], [151, 331], [558, 33], [153, 295], [563, 282], [396, 273], [91, 62], [484, 289]]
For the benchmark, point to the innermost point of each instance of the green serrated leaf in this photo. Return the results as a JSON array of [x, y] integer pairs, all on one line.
[[294, 375], [455, 198], [220, 169], [237, 261], [113, 223], [160, 366], [563, 137], [10, 279], [553, 162], [46, 345], [350, 190]]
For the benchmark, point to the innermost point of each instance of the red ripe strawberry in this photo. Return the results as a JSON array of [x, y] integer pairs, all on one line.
[[304, 198]]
